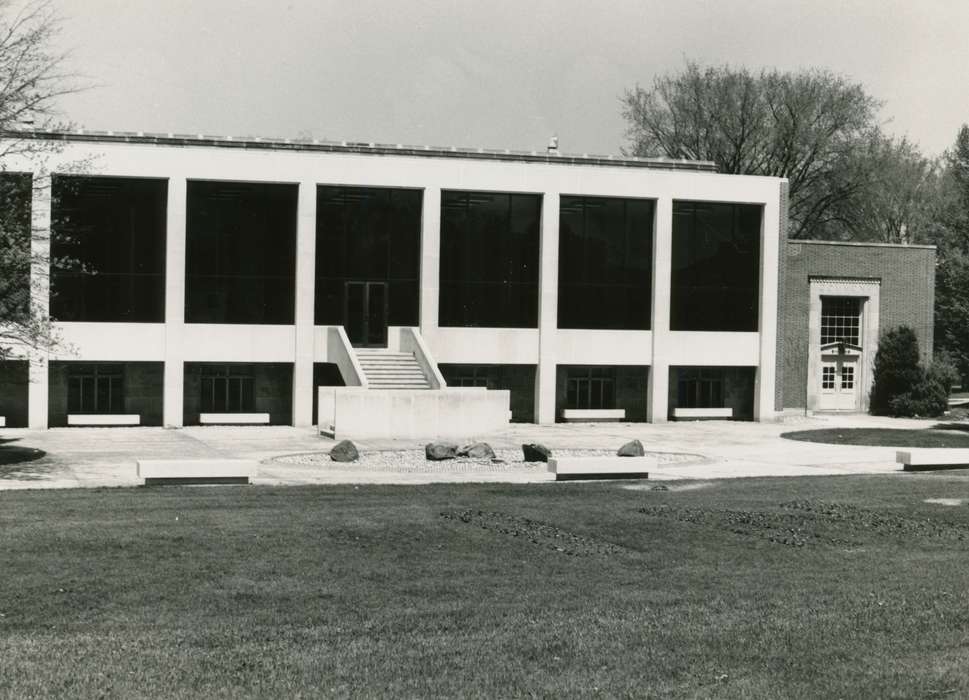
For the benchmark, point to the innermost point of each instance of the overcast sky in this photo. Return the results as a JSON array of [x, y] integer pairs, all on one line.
[[491, 73]]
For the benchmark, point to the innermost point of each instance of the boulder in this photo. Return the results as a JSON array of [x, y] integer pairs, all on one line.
[[436, 451], [534, 452], [633, 448], [344, 451], [477, 450]]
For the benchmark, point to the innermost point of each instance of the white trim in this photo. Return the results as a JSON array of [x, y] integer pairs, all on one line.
[[869, 291]]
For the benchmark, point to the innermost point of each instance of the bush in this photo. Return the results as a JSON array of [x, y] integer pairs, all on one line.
[[927, 398], [897, 374], [945, 371]]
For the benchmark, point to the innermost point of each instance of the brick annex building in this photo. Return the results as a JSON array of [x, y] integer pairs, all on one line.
[[225, 280]]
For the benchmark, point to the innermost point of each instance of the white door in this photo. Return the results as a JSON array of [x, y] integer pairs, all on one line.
[[839, 384]]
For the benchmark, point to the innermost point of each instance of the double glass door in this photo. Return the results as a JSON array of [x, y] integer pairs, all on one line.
[[366, 314]]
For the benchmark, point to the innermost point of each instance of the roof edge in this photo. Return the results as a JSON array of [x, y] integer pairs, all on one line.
[[865, 244], [355, 147]]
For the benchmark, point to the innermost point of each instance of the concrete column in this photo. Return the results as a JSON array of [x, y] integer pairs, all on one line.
[[771, 232], [173, 389], [38, 387], [657, 402], [548, 304], [430, 260], [305, 305]]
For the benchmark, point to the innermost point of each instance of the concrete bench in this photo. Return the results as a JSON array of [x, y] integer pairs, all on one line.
[[931, 458], [702, 413], [102, 419], [609, 467], [234, 419], [593, 415], [196, 471]]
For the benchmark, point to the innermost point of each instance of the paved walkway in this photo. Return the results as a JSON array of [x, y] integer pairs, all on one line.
[[95, 457]]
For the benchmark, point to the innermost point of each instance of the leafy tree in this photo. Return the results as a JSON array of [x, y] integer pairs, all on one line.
[[32, 78], [901, 386], [816, 128], [950, 233]]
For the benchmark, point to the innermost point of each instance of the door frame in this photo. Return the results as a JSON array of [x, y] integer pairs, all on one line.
[[384, 311]]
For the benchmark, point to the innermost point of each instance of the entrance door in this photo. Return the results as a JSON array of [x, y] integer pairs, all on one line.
[[365, 317], [839, 384]]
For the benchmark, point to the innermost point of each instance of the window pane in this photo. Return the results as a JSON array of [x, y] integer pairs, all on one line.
[[715, 267], [605, 263], [489, 259], [368, 234], [108, 244], [240, 253]]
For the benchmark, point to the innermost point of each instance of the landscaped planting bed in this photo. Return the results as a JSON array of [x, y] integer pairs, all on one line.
[[415, 462]]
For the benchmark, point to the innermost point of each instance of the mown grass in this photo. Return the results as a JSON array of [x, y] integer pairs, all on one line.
[[941, 435], [369, 591]]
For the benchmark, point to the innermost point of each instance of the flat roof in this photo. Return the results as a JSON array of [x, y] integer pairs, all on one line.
[[864, 244], [361, 147]]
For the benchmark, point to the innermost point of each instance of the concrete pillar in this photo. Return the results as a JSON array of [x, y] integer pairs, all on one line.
[[771, 232], [430, 260], [657, 403], [548, 297], [38, 387], [173, 396], [305, 305]]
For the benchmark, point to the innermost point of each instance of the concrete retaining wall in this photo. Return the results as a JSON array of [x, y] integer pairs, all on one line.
[[453, 413]]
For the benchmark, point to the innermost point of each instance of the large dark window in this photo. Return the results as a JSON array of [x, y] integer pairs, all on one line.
[[605, 263], [367, 235], [590, 388], [15, 227], [716, 267], [699, 387], [240, 262], [95, 389], [489, 259], [108, 249], [227, 389]]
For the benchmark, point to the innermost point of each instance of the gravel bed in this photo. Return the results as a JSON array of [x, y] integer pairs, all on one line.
[[414, 461]]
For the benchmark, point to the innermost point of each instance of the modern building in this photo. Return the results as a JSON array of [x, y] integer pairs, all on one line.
[[215, 277]]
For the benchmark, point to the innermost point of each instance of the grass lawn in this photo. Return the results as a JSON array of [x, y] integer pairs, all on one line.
[[943, 435], [764, 588]]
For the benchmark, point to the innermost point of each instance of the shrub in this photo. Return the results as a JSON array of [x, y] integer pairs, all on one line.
[[897, 372], [945, 371], [927, 398]]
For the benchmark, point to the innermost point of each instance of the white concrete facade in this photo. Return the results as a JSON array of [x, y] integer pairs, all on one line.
[[175, 342]]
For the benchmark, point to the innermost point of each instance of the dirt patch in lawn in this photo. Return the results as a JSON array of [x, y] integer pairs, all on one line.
[[810, 523], [542, 534]]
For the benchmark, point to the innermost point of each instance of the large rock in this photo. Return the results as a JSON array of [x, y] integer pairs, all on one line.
[[436, 451], [477, 450], [344, 451], [633, 448], [533, 452]]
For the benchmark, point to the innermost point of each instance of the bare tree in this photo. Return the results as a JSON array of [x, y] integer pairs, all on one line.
[[32, 79], [812, 126]]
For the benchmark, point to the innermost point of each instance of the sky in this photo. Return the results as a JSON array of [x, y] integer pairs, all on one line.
[[486, 73]]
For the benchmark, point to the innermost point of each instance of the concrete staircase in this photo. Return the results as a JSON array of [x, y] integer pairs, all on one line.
[[391, 370]]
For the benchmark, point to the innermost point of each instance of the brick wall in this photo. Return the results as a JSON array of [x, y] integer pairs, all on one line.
[[907, 296]]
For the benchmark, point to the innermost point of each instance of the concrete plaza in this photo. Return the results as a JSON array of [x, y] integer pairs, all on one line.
[[105, 457]]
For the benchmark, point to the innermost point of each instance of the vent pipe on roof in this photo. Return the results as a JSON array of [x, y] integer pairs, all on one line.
[[553, 145]]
